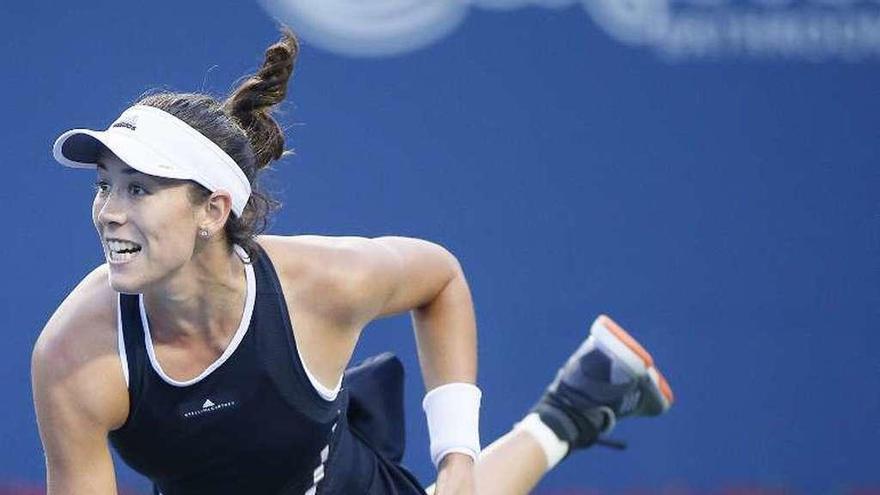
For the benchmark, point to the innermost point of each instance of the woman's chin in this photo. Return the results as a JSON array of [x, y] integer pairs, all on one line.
[[124, 284]]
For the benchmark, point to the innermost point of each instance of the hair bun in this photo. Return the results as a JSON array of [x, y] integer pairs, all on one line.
[[251, 104]]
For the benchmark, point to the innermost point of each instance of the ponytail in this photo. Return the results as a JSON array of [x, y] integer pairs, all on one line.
[[243, 126], [251, 104]]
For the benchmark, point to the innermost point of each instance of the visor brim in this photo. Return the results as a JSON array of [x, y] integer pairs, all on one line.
[[81, 148]]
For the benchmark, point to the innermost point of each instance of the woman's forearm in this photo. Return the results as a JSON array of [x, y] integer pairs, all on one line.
[[446, 335]]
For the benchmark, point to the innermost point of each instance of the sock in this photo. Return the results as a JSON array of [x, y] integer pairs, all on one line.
[[554, 448]]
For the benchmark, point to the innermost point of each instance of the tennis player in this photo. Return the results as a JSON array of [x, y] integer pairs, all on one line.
[[213, 357]]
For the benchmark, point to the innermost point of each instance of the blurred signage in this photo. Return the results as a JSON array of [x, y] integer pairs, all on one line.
[[810, 30]]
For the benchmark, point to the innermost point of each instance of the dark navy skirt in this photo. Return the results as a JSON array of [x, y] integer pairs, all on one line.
[[371, 440]]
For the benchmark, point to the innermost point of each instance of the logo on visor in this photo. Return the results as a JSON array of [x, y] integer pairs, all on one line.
[[128, 122]]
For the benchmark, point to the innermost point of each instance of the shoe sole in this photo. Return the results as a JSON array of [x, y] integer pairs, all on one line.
[[614, 339]]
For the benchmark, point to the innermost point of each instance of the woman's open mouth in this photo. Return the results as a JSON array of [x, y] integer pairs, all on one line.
[[122, 251]]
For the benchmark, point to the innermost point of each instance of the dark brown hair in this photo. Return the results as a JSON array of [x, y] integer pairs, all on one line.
[[242, 125]]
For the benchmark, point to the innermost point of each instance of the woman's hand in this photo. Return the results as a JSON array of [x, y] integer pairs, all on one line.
[[456, 475]]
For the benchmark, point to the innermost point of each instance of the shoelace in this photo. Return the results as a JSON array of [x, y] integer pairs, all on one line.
[[611, 421], [611, 443]]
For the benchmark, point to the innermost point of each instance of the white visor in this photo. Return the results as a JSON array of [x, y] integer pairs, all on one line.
[[157, 143]]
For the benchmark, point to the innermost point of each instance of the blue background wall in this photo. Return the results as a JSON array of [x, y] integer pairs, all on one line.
[[724, 208]]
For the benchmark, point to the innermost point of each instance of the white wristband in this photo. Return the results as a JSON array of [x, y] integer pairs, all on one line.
[[453, 412]]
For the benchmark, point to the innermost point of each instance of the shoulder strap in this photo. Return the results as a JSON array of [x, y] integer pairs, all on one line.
[[277, 346], [132, 347]]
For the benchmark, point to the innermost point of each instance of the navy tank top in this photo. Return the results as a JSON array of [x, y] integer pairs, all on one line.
[[252, 422]]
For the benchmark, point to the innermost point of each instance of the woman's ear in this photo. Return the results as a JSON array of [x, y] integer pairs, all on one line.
[[217, 209]]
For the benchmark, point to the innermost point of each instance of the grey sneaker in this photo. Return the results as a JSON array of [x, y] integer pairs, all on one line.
[[609, 376]]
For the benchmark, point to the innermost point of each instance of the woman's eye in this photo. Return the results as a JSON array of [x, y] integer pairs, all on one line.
[[101, 187], [136, 190]]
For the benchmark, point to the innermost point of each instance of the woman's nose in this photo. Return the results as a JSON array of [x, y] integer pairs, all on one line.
[[112, 210]]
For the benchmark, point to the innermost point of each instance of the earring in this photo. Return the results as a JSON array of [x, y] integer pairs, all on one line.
[[204, 234]]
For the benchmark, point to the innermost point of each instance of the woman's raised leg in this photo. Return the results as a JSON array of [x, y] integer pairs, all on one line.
[[609, 376]]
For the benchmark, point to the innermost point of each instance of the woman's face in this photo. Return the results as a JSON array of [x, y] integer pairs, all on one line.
[[147, 225]]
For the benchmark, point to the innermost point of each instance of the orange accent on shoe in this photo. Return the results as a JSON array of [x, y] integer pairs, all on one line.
[[665, 389], [627, 339]]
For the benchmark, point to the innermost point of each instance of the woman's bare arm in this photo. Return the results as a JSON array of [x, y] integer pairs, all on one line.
[[79, 391], [355, 280], [426, 279]]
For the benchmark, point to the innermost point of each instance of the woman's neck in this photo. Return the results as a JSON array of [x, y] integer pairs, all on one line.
[[202, 301]]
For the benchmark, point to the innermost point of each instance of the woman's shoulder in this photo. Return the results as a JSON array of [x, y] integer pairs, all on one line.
[[76, 367], [316, 256], [313, 244], [87, 314], [81, 337], [326, 273]]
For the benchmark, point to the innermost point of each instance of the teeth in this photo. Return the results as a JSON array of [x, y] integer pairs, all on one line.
[[121, 257], [116, 246], [121, 251]]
